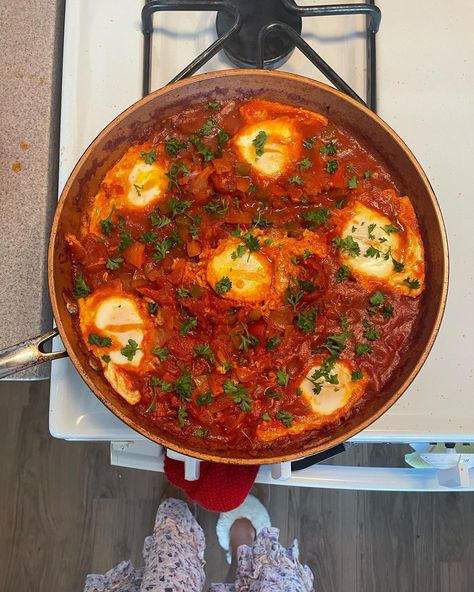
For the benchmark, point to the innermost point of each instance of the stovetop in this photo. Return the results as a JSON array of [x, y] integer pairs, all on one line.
[[423, 91]]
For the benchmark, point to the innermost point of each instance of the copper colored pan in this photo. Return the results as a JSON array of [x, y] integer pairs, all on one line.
[[132, 126]]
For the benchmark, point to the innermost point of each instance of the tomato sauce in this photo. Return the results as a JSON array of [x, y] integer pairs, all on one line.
[[233, 353]]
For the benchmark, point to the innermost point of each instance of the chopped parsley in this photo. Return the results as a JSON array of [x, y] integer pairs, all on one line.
[[371, 333], [184, 386], [306, 321], [247, 339], [178, 206], [356, 375], [183, 293], [252, 242], [106, 358], [387, 311], [114, 263], [296, 180], [317, 217], [308, 144], [187, 325], [352, 182], [204, 151], [306, 285], [239, 252], [81, 289], [285, 417], [219, 207], [271, 394], [259, 142], [223, 285], [208, 127], [126, 240], [204, 398], [163, 247], [367, 174], [206, 352], [377, 298], [214, 105], [159, 221], [398, 266], [293, 297], [413, 284], [282, 378], [161, 353], [182, 416], [329, 149], [152, 406], [148, 237], [130, 349], [362, 348], [370, 229], [305, 164], [323, 374], [239, 394], [106, 226], [201, 432], [347, 245], [166, 387], [173, 146], [95, 339], [149, 157], [342, 273], [266, 417], [336, 343], [332, 166], [389, 228], [139, 189], [373, 252], [272, 343]]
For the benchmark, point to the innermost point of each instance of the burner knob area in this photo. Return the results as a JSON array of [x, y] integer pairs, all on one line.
[[241, 48]]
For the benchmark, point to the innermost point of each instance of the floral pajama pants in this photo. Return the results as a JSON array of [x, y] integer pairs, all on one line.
[[174, 561]]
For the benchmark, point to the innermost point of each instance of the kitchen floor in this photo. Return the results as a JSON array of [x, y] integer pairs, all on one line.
[[65, 512]]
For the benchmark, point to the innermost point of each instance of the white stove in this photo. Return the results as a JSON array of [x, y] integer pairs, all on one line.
[[425, 79]]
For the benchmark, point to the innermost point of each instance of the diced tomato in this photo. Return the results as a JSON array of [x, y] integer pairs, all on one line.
[[258, 329], [135, 254]]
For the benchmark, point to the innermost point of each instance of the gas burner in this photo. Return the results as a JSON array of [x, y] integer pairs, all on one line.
[[241, 48]]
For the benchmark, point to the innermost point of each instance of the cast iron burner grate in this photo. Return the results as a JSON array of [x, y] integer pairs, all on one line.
[[263, 34]]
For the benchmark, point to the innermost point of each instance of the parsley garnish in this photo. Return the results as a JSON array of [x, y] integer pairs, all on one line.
[[126, 240], [387, 311], [335, 344], [114, 263], [182, 416], [377, 298], [130, 349], [306, 285], [324, 373], [305, 164], [356, 375], [389, 228], [318, 216], [173, 146], [370, 229], [149, 157], [367, 174], [202, 149], [239, 252], [362, 348], [398, 266], [184, 386], [204, 398], [347, 245], [163, 247], [159, 221], [308, 144], [271, 394], [373, 252], [371, 333], [293, 297], [183, 293], [98, 340], [208, 127], [285, 417], [342, 273], [166, 387], [188, 325], [148, 237], [252, 242], [173, 173], [352, 182], [201, 432], [272, 343], [247, 339], [161, 353], [282, 378], [306, 321], [329, 149], [296, 180], [106, 226], [81, 289], [259, 142], [214, 105], [106, 358], [332, 166], [219, 207], [206, 352], [152, 307], [139, 189], [266, 417], [223, 285], [239, 394], [413, 284]]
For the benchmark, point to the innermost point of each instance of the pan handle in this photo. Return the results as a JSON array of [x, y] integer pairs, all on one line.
[[27, 354]]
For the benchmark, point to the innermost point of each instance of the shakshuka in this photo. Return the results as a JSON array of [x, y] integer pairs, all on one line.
[[249, 276]]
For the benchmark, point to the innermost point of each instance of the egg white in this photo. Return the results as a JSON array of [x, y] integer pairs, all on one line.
[[147, 183]]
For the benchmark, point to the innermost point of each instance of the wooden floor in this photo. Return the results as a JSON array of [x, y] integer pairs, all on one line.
[[65, 512]]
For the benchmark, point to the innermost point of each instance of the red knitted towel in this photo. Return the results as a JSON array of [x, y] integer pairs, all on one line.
[[220, 488]]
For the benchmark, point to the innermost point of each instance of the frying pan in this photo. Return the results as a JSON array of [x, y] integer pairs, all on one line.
[[133, 126]]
